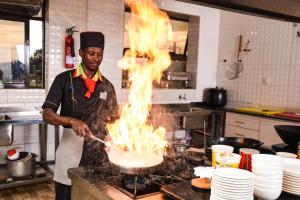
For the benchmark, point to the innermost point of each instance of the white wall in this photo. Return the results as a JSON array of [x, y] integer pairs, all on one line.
[[271, 69], [107, 16]]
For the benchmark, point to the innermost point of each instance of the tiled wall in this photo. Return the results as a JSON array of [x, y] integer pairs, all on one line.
[[271, 69], [108, 16]]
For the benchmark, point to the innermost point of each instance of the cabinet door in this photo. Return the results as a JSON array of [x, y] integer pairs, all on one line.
[[268, 134], [232, 131], [242, 121]]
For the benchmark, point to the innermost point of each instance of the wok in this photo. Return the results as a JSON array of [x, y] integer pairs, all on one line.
[[237, 142], [289, 134]]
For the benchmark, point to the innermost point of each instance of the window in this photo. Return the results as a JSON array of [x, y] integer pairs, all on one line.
[[22, 51]]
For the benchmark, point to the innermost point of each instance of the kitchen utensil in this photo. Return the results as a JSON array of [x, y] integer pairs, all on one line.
[[235, 70], [215, 97], [236, 142], [99, 140], [290, 134], [256, 110], [22, 167]]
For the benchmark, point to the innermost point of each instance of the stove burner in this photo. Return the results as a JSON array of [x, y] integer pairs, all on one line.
[[136, 184]]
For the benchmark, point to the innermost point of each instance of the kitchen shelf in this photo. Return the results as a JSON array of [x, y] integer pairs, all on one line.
[[42, 174]]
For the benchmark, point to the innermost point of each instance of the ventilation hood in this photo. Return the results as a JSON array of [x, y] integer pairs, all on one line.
[[20, 7], [286, 10]]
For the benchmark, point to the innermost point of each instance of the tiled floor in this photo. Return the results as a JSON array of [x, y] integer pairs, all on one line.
[[39, 191]]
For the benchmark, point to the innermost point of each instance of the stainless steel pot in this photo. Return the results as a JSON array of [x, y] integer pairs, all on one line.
[[23, 166]]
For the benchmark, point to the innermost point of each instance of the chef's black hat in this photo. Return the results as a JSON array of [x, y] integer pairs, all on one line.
[[91, 39]]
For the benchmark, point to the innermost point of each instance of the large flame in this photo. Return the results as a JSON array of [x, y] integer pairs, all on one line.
[[150, 34]]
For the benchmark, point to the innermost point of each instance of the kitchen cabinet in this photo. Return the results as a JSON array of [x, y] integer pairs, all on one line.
[[237, 125], [261, 128]]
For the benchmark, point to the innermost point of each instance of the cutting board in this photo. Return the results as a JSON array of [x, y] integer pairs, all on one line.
[[289, 115], [183, 191], [258, 110]]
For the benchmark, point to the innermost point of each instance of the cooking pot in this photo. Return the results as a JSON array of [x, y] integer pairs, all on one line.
[[23, 166], [216, 97]]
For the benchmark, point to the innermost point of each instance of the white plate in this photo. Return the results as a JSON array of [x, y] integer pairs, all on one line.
[[233, 174], [291, 166], [297, 192], [233, 197], [234, 183], [237, 181], [232, 194], [233, 187], [291, 185]]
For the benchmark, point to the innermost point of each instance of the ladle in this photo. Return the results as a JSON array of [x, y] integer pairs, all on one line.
[[99, 140]]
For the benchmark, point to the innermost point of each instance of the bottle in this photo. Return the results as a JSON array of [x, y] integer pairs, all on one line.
[[298, 153]]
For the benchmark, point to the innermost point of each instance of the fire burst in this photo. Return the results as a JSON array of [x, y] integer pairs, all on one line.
[[150, 34]]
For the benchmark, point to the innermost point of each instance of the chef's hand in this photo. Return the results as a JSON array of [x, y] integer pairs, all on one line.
[[80, 128], [107, 139]]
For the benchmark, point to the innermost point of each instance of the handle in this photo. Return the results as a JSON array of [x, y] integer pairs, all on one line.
[[239, 122], [238, 134], [240, 47], [99, 140]]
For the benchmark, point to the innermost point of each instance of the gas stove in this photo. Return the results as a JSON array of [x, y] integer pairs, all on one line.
[[140, 185]]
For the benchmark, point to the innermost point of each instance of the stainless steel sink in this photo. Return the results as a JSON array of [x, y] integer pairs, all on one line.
[[6, 132], [179, 116]]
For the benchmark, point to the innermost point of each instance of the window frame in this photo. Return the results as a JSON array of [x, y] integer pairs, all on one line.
[[26, 20]]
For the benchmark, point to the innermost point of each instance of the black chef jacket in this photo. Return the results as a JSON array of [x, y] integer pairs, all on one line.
[[69, 91]]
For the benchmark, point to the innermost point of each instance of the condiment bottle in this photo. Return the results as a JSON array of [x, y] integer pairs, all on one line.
[[298, 153]]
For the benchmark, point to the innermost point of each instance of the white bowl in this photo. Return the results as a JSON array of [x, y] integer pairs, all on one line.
[[269, 187], [286, 155], [273, 174], [266, 181], [14, 156], [266, 159], [264, 168], [267, 194]]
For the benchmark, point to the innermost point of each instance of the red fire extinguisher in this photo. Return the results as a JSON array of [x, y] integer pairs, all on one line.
[[69, 48]]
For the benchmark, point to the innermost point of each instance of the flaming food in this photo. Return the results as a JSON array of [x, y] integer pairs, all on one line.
[[136, 143]]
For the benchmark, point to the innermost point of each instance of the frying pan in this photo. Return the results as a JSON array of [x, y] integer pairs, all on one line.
[[237, 142]]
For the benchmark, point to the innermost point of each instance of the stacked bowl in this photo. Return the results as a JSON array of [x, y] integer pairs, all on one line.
[[291, 176], [268, 175], [232, 184]]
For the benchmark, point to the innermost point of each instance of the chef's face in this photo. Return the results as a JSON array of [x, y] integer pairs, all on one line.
[[91, 57]]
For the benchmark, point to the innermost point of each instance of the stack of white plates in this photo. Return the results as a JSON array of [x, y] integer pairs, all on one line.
[[268, 174], [232, 184], [291, 176]]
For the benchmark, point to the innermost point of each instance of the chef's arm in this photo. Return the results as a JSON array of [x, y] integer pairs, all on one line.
[[77, 125]]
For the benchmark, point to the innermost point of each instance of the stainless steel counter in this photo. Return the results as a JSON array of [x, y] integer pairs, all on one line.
[[12, 116]]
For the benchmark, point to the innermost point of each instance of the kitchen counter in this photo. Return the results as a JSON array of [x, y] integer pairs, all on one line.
[[201, 105], [87, 185]]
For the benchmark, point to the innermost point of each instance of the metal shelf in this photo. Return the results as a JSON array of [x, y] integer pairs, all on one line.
[[42, 174]]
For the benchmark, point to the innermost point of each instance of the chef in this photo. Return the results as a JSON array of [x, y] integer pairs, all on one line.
[[87, 101]]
